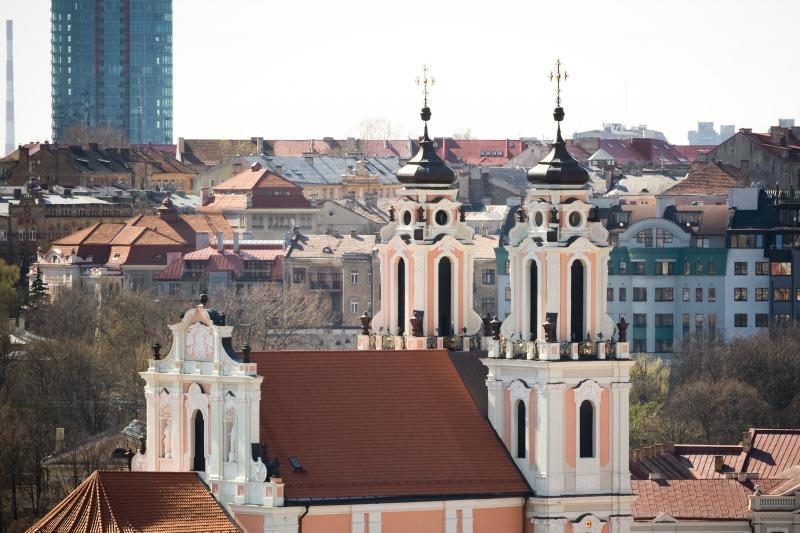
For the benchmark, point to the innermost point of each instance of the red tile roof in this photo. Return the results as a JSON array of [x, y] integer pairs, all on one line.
[[379, 425], [142, 240], [705, 178], [773, 451], [119, 502], [261, 178], [695, 499], [688, 462], [692, 151], [225, 261]]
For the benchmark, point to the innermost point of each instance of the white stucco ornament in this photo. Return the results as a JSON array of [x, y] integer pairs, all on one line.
[[199, 342]]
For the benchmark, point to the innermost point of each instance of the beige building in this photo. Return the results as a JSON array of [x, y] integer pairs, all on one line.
[[770, 158], [341, 267], [261, 204]]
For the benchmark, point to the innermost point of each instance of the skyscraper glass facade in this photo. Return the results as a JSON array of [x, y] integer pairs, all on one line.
[[112, 66]]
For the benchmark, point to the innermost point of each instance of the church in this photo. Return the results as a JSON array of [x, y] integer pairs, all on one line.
[[523, 427]]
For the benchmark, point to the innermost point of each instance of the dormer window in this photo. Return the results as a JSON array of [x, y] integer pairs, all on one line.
[[575, 219]]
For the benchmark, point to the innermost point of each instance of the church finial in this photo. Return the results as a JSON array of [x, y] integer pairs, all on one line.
[[426, 81], [558, 76], [558, 167], [426, 167]]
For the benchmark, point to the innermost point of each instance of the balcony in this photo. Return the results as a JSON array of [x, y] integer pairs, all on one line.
[[774, 503], [326, 285]]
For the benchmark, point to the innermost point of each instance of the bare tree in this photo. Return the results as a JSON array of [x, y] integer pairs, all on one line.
[[463, 133], [103, 134], [269, 317], [375, 128]]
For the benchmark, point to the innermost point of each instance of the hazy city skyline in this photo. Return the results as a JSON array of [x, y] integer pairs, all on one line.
[[282, 71]]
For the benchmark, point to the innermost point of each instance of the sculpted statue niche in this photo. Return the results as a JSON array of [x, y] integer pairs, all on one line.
[[199, 343]]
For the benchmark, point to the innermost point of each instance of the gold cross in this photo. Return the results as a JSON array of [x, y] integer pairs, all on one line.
[[558, 76], [425, 81]]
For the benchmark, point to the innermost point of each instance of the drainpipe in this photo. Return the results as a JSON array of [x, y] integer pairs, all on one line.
[[300, 520]]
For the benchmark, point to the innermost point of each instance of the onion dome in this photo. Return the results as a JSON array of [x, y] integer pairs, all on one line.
[[558, 167], [426, 167]]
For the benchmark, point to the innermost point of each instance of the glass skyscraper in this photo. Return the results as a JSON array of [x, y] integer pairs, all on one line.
[[112, 66]]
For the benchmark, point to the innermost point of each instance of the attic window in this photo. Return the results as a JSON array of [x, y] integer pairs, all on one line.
[[327, 250], [297, 466], [116, 256]]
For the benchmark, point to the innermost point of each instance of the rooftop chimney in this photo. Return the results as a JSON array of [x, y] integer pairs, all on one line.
[[747, 441], [255, 167], [9, 87], [236, 242], [202, 240], [59, 439], [203, 196], [719, 463], [220, 242]]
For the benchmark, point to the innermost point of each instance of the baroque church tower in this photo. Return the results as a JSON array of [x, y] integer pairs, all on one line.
[[427, 256], [203, 404], [562, 409]]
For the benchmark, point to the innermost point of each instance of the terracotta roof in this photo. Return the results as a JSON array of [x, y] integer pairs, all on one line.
[[354, 421], [691, 499], [688, 461], [249, 179], [225, 261], [142, 240], [773, 451], [117, 502], [693, 151], [705, 178]]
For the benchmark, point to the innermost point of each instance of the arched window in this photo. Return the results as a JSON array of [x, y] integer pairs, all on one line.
[[401, 296], [445, 297], [578, 289], [522, 430], [534, 301], [199, 455], [586, 429]]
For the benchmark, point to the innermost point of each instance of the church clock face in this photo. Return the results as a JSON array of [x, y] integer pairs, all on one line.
[[199, 343]]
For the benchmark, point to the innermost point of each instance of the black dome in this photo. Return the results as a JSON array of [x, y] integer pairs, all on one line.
[[426, 167], [558, 167]]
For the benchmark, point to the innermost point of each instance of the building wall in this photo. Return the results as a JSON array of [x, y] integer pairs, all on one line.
[[485, 294], [750, 282], [135, 99], [691, 295]]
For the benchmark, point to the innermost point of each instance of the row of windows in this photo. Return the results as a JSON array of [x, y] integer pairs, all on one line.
[[740, 268], [665, 267], [662, 294]]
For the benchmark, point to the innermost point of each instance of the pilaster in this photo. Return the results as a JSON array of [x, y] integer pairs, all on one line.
[[549, 477]]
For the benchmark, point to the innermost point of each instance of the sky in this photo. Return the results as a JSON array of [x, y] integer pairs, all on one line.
[[314, 68]]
